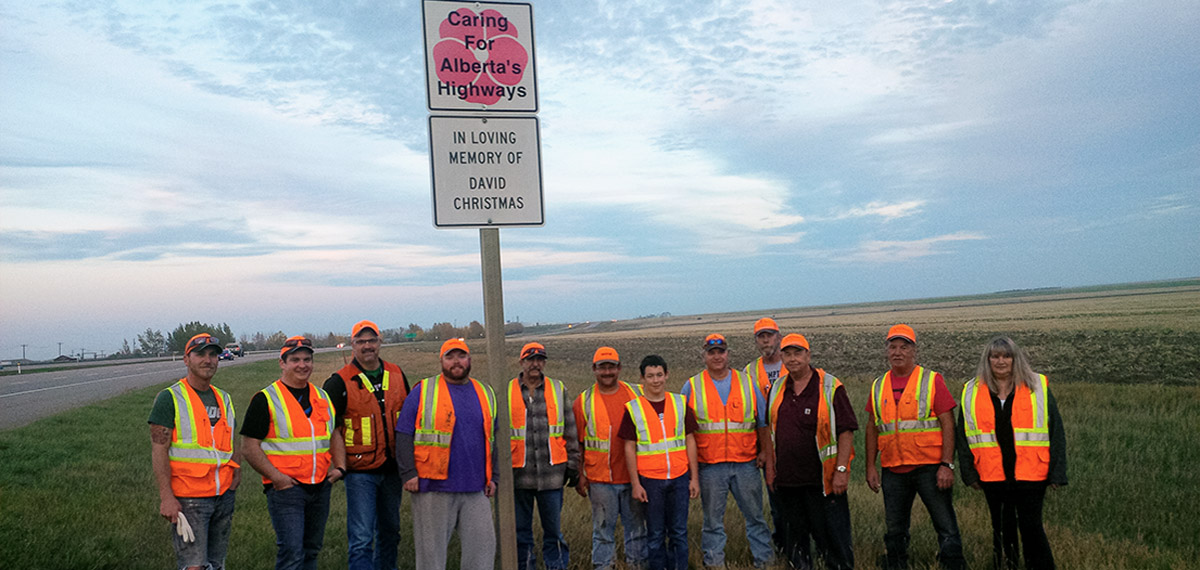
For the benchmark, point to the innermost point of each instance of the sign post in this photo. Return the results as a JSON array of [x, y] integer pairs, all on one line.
[[485, 165]]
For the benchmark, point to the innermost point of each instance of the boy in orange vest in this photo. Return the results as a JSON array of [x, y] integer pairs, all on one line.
[[660, 452]]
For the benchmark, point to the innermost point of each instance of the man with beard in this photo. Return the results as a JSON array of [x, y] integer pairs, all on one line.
[[444, 441], [191, 451], [367, 394]]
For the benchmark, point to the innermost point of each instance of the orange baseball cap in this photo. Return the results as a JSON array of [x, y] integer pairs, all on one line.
[[294, 343], [796, 340], [533, 349], [200, 341], [714, 341], [765, 324], [606, 354], [361, 325], [902, 331], [455, 344]]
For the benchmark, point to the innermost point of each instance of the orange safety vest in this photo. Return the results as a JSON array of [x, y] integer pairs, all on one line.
[[909, 431], [600, 430], [727, 431], [1031, 431], [370, 434], [435, 427], [827, 447], [296, 444], [661, 442], [553, 390], [758, 374], [201, 454]]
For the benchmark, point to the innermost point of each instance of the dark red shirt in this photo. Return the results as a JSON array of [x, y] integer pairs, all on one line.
[[796, 460]]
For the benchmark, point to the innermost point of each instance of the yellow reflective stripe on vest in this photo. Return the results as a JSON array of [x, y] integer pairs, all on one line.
[[670, 442]]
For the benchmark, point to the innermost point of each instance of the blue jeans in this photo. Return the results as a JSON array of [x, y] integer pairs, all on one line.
[[211, 519], [666, 522], [554, 548], [717, 480], [899, 490], [298, 514], [608, 502], [373, 519]]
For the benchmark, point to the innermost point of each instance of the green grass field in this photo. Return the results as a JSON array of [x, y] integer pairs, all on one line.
[[76, 490]]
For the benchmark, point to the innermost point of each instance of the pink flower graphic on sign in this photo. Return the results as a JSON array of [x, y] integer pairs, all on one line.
[[478, 57]]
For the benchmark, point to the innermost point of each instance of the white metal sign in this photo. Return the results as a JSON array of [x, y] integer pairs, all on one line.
[[479, 57], [487, 171]]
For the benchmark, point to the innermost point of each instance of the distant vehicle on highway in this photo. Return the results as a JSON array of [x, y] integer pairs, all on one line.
[[235, 348], [226, 354]]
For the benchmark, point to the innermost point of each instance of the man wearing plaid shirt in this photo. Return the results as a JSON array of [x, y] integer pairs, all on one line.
[[545, 456]]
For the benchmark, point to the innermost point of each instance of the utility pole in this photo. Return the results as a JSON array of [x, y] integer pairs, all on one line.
[[60, 349], [23, 351]]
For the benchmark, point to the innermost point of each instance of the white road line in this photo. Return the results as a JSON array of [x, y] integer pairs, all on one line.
[[77, 384]]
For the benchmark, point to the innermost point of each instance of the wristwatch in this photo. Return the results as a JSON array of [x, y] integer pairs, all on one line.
[[841, 468], [948, 465]]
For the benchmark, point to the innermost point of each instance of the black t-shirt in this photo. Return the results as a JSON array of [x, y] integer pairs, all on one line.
[[257, 423]]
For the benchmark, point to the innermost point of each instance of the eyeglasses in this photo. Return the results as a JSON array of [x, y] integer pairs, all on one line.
[[365, 341], [294, 342], [206, 340]]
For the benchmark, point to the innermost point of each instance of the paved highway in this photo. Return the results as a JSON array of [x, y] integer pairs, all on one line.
[[28, 397]]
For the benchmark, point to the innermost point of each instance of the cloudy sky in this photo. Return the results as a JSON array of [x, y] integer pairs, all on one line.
[[266, 164]]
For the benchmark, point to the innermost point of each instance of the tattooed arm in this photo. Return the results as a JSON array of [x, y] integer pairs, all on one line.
[[160, 442]]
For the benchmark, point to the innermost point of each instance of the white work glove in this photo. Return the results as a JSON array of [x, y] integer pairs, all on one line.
[[184, 530]]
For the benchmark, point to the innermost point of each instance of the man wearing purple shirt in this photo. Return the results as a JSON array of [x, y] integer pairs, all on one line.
[[452, 484]]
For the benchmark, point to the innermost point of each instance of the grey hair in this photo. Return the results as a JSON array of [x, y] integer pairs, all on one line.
[[1022, 373]]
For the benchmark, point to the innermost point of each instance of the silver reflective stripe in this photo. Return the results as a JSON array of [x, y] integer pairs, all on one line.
[[981, 438], [557, 430], [196, 454], [1039, 403], [423, 436], [186, 434], [968, 403], [829, 451], [740, 426], [711, 426], [1031, 436], [907, 425], [596, 444], [518, 433], [924, 386], [279, 411], [294, 446], [428, 398]]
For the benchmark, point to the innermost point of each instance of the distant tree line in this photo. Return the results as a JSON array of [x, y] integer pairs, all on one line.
[[153, 342]]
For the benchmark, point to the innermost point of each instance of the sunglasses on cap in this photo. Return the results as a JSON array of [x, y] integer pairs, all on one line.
[[294, 342], [715, 342], [201, 341]]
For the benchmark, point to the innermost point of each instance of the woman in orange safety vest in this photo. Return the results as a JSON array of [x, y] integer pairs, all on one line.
[[1010, 427]]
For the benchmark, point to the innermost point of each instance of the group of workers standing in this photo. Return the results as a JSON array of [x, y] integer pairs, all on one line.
[[638, 452]]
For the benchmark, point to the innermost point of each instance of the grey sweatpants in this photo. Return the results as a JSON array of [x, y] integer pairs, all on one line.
[[436, 515]]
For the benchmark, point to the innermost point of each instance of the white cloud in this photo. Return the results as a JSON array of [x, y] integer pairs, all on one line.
[[880, 251]]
